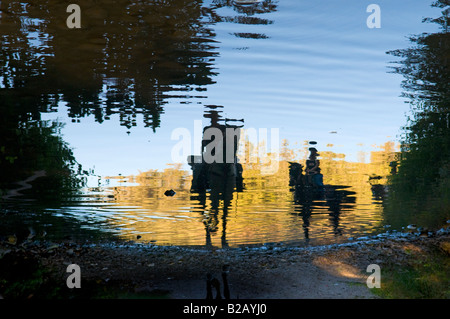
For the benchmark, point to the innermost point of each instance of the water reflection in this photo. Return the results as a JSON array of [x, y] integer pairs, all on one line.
[[132, 59], [248, 15], [310, 193], [420, 185], [127, 59], [217, 169], [249, 9], [222, 214], [36, 163]]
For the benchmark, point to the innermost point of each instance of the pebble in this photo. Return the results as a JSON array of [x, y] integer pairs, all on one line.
[[442, 231], [169, 192]]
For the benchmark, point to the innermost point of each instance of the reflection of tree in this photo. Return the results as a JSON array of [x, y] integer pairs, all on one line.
[[426, 152], [127, 58], [35, 154]]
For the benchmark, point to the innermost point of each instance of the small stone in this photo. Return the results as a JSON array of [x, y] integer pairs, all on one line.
[[169, 192], [53, 246]]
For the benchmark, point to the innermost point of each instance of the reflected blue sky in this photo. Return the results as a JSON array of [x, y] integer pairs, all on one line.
[[319, 69]]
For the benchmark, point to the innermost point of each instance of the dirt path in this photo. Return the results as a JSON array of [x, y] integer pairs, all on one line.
[[267, 273]]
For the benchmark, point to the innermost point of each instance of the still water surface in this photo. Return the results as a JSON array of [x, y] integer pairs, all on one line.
[[136, 72]]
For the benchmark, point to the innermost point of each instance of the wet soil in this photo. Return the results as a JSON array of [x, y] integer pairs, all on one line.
[[133, 270]]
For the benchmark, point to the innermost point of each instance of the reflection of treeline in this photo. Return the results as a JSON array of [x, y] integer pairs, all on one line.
[[261, 187], [127, 59], [36, 146], [424, 171], [152, 186], [263, 192]]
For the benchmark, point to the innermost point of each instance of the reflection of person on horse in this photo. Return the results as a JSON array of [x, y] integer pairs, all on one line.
[[217, 168], [312, 170], [222, 171]]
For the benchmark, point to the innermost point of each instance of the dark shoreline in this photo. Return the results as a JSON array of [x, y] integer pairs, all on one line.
[[271, 271]]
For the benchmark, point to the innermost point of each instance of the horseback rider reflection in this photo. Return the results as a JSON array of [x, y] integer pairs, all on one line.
[[313, 176], [219, 148], [310, 194], [218, 170]]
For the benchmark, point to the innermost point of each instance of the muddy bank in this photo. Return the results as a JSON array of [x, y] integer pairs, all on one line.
[[272, 271]]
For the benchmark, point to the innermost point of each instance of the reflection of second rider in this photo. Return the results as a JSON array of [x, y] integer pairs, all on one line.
[[312, 169]]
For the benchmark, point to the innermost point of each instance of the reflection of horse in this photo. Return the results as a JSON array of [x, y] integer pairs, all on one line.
[[217, 170], [214, 177], [313, 188], [221, 180], [309, 195], [310, 184]]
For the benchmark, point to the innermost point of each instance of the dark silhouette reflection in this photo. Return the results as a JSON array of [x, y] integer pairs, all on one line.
[[312, 181], [379, 191], [311, 194], [313, 176], [214, 282], [217, 170]]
